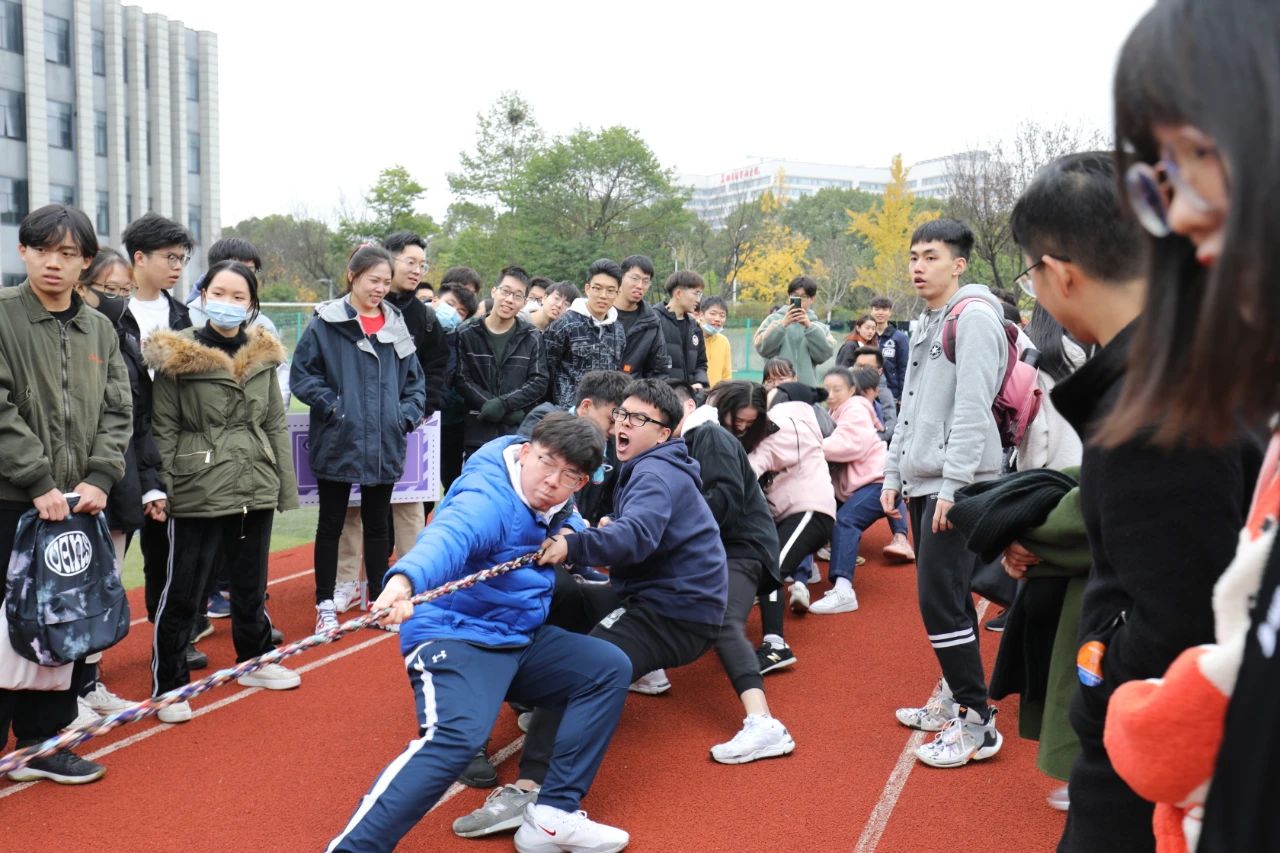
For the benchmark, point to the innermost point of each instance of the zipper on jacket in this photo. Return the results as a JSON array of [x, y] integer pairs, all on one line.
[[66, 395], [208, 455]]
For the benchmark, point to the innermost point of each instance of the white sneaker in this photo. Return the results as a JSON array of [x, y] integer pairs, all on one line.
[[326, 616], [346, 595], [104, 701], [836, 601], [273, 676], [549, 830], [799, 597], [824, 553], [964, 738], [940, 708], [178, 712], [761, 737], [523, 721], [651, 683], [85, 715]]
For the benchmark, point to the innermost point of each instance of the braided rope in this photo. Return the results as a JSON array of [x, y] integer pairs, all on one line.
[[149, 707]]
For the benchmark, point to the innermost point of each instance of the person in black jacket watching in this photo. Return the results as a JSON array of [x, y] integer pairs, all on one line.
[[645, 353], [502, 371], [681, 330]]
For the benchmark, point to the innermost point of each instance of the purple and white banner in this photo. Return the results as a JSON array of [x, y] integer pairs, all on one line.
[[421, 480]]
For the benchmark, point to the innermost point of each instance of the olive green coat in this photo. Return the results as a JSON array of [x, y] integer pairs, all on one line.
[[219, 425]]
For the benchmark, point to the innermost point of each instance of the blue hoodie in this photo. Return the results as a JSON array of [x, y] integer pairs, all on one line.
[[663, 548], [480, 523]]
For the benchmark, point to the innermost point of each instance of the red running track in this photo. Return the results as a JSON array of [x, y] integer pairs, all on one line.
[[267, 771]]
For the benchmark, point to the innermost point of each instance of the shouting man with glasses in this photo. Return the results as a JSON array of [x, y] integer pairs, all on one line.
[[467, 652], [588, 336], [502, 372]]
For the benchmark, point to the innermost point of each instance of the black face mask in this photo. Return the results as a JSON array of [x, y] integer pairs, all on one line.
[[112, 308]]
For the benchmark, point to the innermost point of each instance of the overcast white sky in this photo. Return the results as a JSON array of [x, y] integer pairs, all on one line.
[[317, 98]]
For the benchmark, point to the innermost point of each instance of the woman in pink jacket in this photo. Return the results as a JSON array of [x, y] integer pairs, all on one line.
[[859, 454]]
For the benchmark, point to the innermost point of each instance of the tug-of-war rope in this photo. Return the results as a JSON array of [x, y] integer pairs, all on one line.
[[149, 707]]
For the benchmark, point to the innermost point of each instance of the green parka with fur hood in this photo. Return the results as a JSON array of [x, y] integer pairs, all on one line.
[[219, 425]]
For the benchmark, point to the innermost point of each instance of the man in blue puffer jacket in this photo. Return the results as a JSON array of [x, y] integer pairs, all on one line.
[[468, 651]]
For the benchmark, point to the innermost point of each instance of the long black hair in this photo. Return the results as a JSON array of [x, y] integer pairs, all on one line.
[[1214, 66], [730, 397]]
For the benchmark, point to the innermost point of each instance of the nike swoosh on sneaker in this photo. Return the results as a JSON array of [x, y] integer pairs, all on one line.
[[550, 832]]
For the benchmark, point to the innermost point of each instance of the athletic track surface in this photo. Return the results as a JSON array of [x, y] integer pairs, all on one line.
[[263, 771]]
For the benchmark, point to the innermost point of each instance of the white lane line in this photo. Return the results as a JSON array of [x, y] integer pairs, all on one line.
[[291, 577], [879, 819], [496, 760], [207, 709]]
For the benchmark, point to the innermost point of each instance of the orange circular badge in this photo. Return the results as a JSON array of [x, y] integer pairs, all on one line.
[[1089, 663]]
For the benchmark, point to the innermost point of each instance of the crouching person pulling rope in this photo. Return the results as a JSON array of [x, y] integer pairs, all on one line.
[[467, 654]]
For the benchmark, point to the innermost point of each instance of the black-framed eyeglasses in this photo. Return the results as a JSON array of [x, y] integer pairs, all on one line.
[[175, 262], [569, 478], [635, 419], [1024, 278]]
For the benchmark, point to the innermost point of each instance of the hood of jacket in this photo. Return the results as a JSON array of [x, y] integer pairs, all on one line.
[[179, 354], [704, 414], [793, 454], [394, 330], [579, 306]]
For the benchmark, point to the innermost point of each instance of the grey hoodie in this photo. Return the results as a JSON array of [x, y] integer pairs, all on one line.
[[946, 436]]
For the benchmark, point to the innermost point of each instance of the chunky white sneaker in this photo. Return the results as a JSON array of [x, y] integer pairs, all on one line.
[[178, 712], [761, 737], [346, 595], [651, 683], [799, 597], [835, 601], [85, 715], [105, 702], [964, 738], [326, 616], [273, 676], [940, 708], [549, 830]]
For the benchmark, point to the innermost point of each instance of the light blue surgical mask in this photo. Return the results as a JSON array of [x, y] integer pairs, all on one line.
[[447, 315], [225, 315], [711, 330]]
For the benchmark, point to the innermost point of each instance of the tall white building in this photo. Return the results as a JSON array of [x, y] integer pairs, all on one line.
[[715, 196], [111, 109]]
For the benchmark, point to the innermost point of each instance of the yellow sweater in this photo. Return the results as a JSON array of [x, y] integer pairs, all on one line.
[[719, 359]]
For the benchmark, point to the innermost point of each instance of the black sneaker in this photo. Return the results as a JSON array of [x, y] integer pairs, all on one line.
[[63, 767], [196, 659], [771, 658], [996, 624], [479, 773]]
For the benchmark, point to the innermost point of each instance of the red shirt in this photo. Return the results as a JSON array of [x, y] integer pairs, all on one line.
[[372, 325]]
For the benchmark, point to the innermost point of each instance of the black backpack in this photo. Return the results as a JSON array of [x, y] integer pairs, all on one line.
[[63, 596]]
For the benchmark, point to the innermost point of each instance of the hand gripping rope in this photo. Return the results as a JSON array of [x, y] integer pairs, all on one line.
[[149, 707]]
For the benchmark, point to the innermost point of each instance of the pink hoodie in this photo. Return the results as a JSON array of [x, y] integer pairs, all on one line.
[[855, 442], [794, 453]]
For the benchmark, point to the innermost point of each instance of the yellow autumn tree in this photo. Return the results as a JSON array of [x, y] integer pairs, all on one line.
[[773, 258], [887, 228]]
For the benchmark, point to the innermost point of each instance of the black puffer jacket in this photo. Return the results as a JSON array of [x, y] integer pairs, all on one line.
[[685, 346], [141, 458], [429, 338], [519, 379], [645, 354]]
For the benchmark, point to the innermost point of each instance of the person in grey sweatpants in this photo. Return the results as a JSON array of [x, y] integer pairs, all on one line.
[[947, 438]]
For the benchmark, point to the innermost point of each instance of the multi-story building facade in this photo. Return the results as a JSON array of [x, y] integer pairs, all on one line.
[[716, 196], [111, 109]]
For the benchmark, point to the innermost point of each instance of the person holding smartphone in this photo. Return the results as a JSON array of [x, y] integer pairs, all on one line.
[[796, 334]]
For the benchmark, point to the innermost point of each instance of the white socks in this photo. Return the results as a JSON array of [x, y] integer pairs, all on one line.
[[844, 584], [775, 641]]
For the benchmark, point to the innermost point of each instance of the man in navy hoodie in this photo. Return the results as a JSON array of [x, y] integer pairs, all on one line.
[[467, 651]]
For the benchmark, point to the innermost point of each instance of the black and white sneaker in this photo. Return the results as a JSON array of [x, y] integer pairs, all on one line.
[[63, 767], [770, 658]]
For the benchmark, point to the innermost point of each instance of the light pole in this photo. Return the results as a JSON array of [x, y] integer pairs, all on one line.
[[329, 283]]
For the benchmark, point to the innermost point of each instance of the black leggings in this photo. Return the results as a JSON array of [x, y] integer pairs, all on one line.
[[799, 536], [375, 515], [737, 655]]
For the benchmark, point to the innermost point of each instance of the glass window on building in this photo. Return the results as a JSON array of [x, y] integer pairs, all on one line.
[[146, 129], [128, 207], [13, 279], [193, 153], [57, 40], [11, 26], [126, 59], [100, 53], [13, 114], [62, 194], [128, 140], [100, 133], [193, 79], [194, 223], [61, 132], [103, 217], [13, 200]]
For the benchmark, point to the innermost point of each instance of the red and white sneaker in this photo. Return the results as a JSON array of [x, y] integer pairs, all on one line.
[[547, 829]]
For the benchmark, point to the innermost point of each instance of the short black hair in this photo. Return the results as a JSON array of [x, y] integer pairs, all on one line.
[[803, 282], [869, 351], [606, 267], [684, 278], [151, 231], [518, 273], [540, 281], [234, 249], [1073, 208], [461, 275], [710, 302], [641, 261], [401, 240], [602, 387], [882, 302], [657, 393], [45, 227], [864, 379], [463, 294], [567, 289], [575, 440], [424, 285], [245, 272], [952, 232]]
